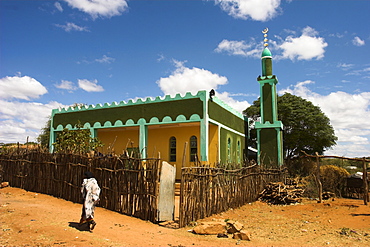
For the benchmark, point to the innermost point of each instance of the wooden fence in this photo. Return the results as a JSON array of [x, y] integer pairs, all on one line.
[[206, 191], [129, 186], [365, 180]]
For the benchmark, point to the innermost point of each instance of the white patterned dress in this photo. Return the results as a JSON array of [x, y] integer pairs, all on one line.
[[90, 193]]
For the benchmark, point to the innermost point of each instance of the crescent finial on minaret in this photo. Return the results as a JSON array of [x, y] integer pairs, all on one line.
[[265, 31]]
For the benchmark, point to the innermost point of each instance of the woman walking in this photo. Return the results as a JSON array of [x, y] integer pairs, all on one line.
[[90, 193]]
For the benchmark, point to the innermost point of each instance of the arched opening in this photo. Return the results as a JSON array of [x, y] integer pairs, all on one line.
[[193, 148]]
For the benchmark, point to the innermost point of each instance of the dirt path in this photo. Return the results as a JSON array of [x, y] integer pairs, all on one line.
[[32, 219]]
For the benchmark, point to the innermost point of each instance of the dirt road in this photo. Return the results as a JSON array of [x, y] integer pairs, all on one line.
[[32, 219]]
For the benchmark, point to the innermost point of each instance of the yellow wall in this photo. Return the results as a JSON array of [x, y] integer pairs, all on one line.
[[158, 141], [118, 139], [213, 156]]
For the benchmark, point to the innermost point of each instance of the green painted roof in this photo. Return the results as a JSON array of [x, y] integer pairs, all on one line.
[[266, 53]]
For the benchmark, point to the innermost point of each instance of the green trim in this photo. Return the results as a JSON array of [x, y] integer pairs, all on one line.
[[143, 138], [268, 77], [166, 111], [225, 127], [204, 130], [52, 137], [276, 124]]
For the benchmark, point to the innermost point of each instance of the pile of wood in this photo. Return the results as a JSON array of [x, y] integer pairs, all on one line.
[[280, 193]]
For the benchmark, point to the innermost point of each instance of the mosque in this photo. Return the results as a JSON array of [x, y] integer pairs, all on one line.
[[182, 129]]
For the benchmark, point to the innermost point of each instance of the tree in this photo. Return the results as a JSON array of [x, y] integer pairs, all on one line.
[[44, 136], [76, 141], [306, 127]]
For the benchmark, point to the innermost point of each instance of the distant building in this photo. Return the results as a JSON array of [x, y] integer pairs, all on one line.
[[182, 129]]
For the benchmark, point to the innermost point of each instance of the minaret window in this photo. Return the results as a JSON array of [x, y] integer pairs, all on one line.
[[238, 152], [173, 149], [193, 148], [229, 150]]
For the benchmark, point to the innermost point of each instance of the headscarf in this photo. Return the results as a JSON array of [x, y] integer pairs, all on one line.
[[88, 175]]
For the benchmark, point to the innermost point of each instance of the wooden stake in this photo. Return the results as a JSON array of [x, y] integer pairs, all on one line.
[[318, 179], [364, 178], [184, 154]]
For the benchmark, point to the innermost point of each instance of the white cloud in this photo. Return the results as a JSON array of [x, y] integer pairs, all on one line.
[[67, 85], [348, 114], [184, 80], [160, 57], [239, 48], [345, 66], [72, 27], [250, 9], [21, 88], [58, 6], [192, 80], [239, 106], [100, 8], [305, 47], [358, 42], [20, 120], [90, 86], [105, 59], [360, 72]]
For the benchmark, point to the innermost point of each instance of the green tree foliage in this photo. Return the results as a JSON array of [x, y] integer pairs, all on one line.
[[76, 141], [44, 136], [306, 127]]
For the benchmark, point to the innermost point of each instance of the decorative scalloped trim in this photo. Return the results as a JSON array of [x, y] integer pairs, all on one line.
[[154, 120], [130, 122], [188, 95], [268, 77], [107, 124]]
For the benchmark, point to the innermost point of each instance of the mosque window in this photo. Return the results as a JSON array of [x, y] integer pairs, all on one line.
[[173, 149], [193, 148], [238, 152], [228, 149]]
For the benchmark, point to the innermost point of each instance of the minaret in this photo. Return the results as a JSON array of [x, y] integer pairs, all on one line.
[[269, 129]]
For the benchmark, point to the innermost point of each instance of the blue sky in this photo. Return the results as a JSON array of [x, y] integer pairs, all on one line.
[[57, 53]]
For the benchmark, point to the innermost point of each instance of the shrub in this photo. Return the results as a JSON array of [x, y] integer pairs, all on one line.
[[333, 179]]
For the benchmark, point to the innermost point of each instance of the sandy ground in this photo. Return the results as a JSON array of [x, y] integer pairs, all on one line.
[[33, 219]]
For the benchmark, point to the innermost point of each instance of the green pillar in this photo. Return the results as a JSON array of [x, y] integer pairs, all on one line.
[[269, 129], [204, 140], [52, 137], [204, 129], [143, 138]]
